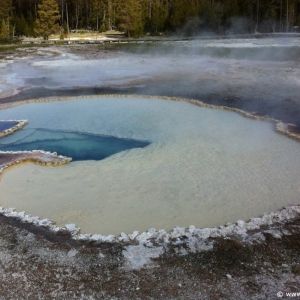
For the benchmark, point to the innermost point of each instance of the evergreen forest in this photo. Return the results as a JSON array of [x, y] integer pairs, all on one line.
[[136, 18]]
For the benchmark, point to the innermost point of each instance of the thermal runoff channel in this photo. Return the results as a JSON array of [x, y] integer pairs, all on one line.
[[200, 166]]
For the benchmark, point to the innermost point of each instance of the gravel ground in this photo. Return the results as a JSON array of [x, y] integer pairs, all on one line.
[[37, 265]]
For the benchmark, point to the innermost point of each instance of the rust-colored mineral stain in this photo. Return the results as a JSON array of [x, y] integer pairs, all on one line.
[[38, 157]]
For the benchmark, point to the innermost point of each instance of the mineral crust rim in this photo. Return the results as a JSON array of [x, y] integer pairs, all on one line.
[[178, 235]]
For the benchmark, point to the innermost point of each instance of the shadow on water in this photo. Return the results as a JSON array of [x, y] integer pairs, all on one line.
[[79, 146]]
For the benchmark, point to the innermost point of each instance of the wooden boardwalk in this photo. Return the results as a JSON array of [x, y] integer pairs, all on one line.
[[108, 41], [158, 40]]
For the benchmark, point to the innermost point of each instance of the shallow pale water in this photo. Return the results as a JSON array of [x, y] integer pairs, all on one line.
[[203, 167]]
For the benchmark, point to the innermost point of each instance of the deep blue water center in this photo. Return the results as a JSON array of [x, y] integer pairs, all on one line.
[[79, 146], [7, 125]]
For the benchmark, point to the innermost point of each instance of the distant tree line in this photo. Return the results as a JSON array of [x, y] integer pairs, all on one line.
[[138, 17]]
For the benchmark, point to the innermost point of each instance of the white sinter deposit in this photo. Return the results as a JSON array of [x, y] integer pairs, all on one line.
[[204, 167]]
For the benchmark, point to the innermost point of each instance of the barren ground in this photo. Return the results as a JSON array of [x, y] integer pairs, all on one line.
[[33, 267]]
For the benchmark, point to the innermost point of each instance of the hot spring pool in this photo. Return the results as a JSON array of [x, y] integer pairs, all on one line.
[[182, 165]]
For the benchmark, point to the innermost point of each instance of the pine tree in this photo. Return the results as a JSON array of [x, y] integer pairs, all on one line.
[[183, 11], [5, 18], [23, 27], [159, 16], [130, 17], [48, 15], [133, 16], [5, 9], [177, 16], [98, 14], [4, 34], [31, 25]]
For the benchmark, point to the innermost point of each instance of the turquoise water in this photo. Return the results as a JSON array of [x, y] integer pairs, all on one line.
[[79, 146], [7, 125]]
